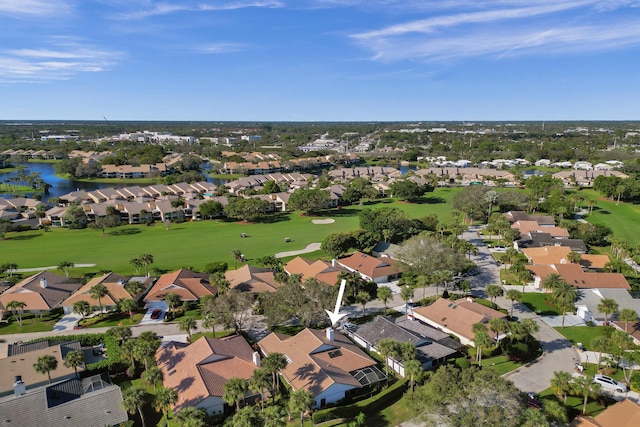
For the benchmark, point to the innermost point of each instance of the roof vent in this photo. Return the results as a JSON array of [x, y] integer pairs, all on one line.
[[43, 283]]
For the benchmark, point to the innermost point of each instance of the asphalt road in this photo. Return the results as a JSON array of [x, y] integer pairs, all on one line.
[[558, 353]]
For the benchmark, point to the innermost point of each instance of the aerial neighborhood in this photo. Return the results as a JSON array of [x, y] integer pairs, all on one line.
[[365, 275]]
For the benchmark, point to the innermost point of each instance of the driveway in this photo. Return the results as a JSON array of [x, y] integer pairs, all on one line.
[[67, 322], [558, 352], [147, 320]]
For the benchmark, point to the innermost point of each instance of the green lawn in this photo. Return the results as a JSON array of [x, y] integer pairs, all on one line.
[[30, 323], [501, 363], [537, 303], [112, 319], [622, 218], [583, 334], [192, 244], [574, 404]]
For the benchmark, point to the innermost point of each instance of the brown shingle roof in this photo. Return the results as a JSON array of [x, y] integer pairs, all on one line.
[[558, 255], [252, 279], [115, 291], [36, 297], [321, 270], [370, 266], [622, 414], [575, 276]]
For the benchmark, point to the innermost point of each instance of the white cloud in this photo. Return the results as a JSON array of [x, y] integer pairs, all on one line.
[[540, 27], [60, 61], [221, 48], [33, 8], [157, 9]]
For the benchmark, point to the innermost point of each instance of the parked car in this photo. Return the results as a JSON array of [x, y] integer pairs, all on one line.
[[155, 314], [609, 383]]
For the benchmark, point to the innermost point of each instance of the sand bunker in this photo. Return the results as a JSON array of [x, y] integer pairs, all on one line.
[[323, 221]]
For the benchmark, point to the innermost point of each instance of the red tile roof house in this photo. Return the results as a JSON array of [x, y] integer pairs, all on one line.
[[576, 276], [41, 292], [320, 270], [325, 363], [457, 317], [187, 284], [115, 292], [252, 279], [198, 372], [379, 270]]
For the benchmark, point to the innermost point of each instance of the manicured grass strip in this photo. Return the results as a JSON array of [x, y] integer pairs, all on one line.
[[583, 334], [501, 364], [538, 304], [30, 323], [621, 218]]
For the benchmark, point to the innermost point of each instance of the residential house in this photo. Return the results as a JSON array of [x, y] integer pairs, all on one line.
[[21, 358], [558, 255], [576, 276], [92, 401], [325, 363], [322, 271], [379, 270], [385, 250], [40, 293], [198, 372], [585, 178], [187, 284], [540, 240], [457, 317], [526, 227], [116, 291], [625, 413], [429, 352], [251, 279], [542, 220]]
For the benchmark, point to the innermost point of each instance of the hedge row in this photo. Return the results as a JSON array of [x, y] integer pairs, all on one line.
[[372, 404]]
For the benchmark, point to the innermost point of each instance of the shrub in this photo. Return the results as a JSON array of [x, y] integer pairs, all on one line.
[[463, 362], [216, 267]]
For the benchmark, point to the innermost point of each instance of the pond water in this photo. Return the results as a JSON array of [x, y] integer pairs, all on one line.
[[61, 186]]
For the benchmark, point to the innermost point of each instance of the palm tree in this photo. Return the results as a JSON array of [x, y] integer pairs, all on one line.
[[188, 324], [97, 292], [607, 306], [121, 333], [234, 391], [424, 281], [165, 398], [490, 197], [531, 326], [301, 401], [274, 417], [258, 382], [493, 292], [561, 384], [153, 377], [274, 363], [73, 359], [552, 281], [82, 308], [481, 339], [406, 293], [363, 298], [513, 295], [191, 416], [136, 263], [129, 305], [574, 257], [497, 325], [45, 364], [146, 260], [16, 308], [65, 266], [209, 322], [627, 315], [442, 277], [565, 296], [172, 300], [236, 254], [413, 368], [134, 287], [384, 294], [600, 344], [133, 399], [582, 386], [388, 349]]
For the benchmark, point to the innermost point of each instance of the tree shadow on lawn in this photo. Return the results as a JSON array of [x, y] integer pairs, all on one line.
[[430, 200], [23, 237], [344, 211], [124, 232]]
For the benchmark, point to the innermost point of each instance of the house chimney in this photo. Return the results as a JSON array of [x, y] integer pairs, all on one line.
[[256, 359], [120, 282], [333, 262], [19, 388], [329, 333], [469, 299], [43, 283]]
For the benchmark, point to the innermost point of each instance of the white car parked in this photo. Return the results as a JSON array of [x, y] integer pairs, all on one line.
[[609, 383]]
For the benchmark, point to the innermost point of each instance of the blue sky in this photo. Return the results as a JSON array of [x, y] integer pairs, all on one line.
[[320, 60]]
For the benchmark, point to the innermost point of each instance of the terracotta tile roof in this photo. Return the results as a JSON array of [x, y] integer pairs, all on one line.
[[458, 316], [558, 255], [370, 266], [252, 279], [31, 292], [115, 291], [532, 226], [311, 365], [625, 413], [189, 285], [201, 369], [513, 216], [575, 276], [321, 270]]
